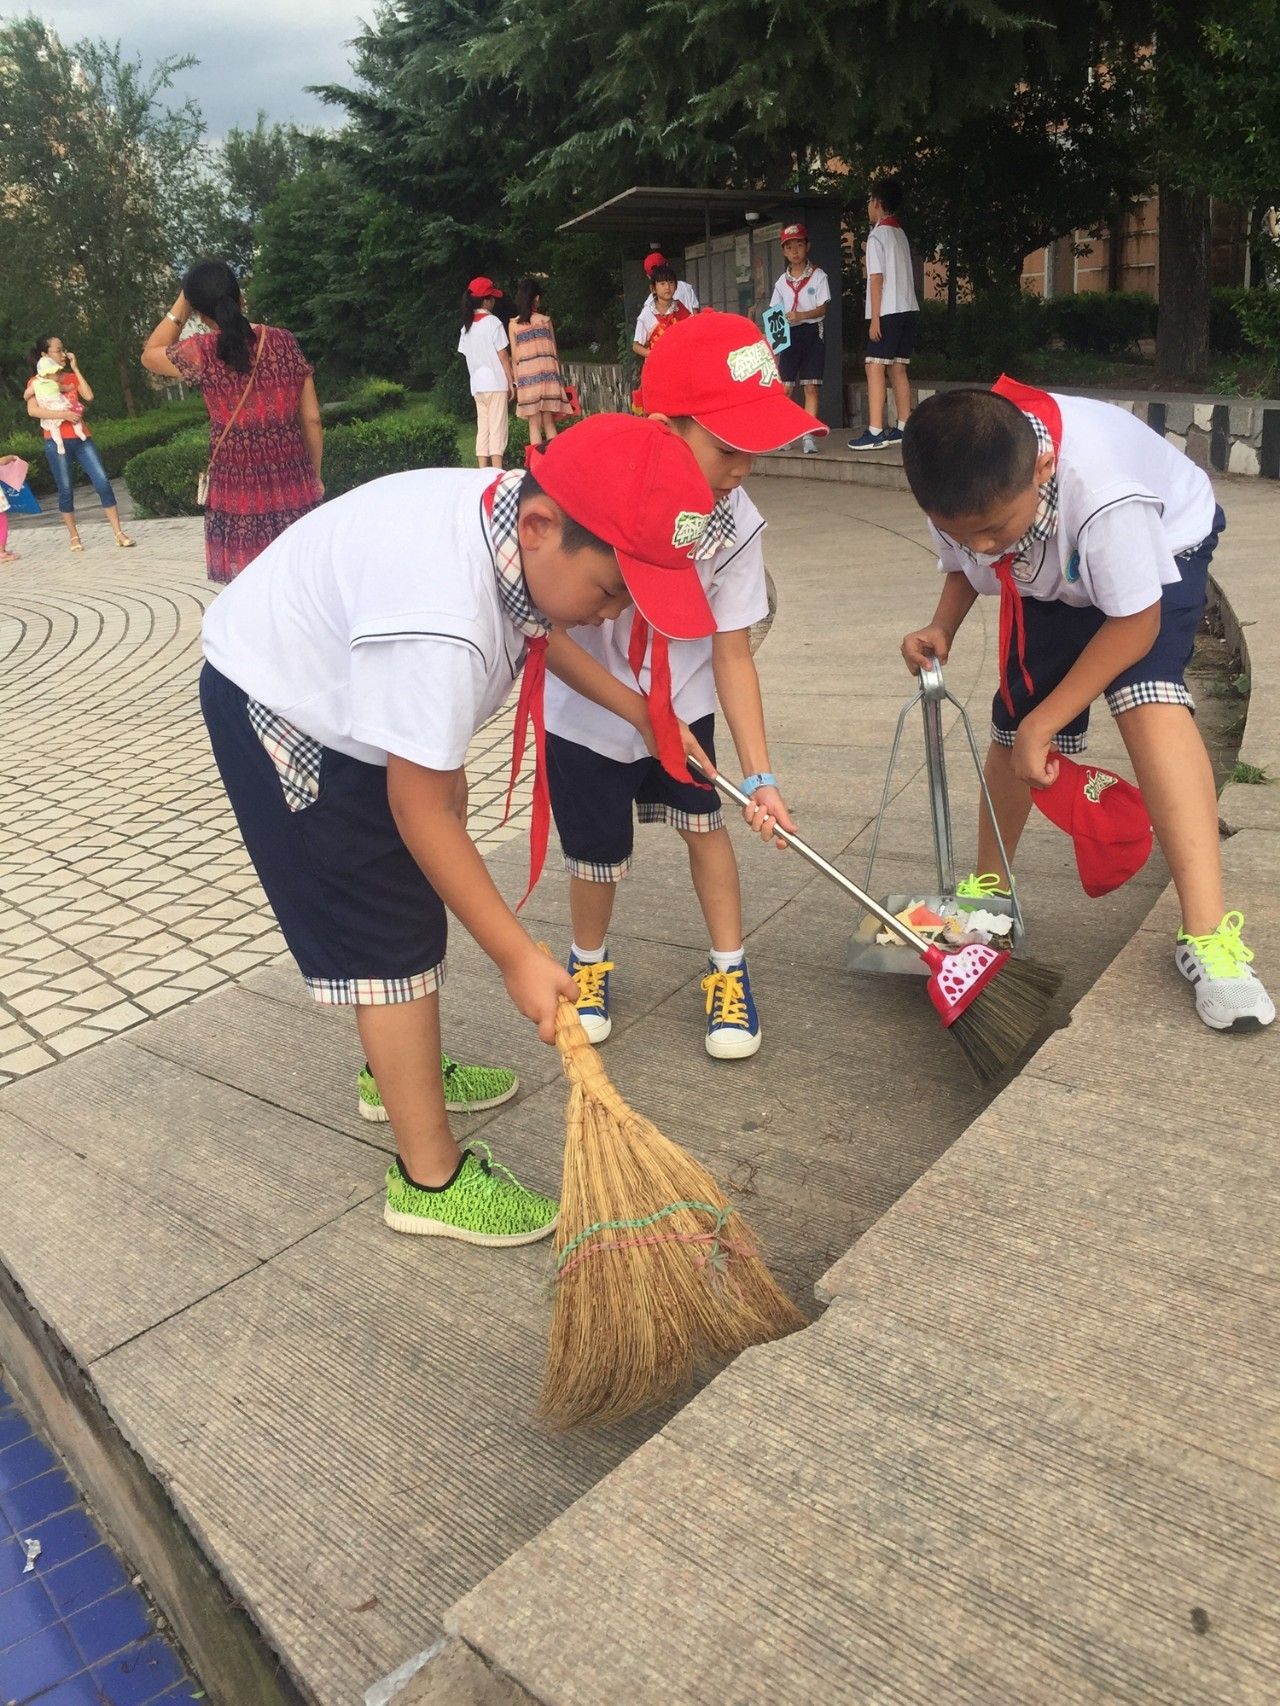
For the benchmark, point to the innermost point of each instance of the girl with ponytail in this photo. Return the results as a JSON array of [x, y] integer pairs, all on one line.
[[265, 436]]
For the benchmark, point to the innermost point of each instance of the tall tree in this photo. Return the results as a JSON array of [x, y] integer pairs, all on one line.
[[249, 171], [108, 182]]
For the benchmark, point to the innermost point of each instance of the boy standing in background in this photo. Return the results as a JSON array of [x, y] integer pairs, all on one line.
[[802, 292], [892, 313]]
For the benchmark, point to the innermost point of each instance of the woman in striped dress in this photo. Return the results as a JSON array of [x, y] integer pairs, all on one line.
[[540, 394]]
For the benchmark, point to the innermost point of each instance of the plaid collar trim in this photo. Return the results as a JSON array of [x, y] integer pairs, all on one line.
[[513, 589], [721, 532]]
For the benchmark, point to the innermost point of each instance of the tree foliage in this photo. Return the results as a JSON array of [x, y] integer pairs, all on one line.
[[249, 171]]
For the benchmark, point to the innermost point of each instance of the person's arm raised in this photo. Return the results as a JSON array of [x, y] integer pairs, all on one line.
[[155, 356]]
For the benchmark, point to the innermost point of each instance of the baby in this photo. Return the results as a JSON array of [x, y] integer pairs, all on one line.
[[49, 394]]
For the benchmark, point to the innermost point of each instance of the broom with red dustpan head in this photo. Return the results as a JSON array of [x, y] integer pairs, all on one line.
[[657, 1277], [992, 1004]]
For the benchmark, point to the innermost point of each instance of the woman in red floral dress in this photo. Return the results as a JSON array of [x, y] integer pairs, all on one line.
[[264, 470]]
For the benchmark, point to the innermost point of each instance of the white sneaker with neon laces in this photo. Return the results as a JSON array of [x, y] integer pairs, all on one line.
[[733, 1025], [1229, 997]]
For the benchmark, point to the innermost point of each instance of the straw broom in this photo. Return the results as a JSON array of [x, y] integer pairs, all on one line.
[[656, 1275]]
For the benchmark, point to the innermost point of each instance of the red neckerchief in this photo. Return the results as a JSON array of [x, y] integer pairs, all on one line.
[[662, 716], [1012, 621], [664, 322], [529, 707], [889, 220], [796, 285]]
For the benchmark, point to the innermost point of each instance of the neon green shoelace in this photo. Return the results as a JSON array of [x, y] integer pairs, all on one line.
[[975, 887], [1222, 952]]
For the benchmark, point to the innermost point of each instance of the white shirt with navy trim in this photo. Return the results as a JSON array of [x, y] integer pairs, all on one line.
[[373, 624], [814, 293], [1128, 504], [734, 581]]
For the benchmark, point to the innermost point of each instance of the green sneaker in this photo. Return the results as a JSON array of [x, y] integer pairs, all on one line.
[[482, 1204], [467, 1089], [976, 890]]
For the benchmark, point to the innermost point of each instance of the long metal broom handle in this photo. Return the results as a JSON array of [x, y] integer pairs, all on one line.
[[806, 852], [933, 693]]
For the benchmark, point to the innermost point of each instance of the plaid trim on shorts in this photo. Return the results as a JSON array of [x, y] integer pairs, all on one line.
[[697, 823], [374, 991], [596, 871], [1069, 744], [296, 756], [1122, 699]]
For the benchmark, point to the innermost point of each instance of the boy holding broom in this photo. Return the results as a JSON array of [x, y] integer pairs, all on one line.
[[347, 670], [1096, 535], [715, 380]]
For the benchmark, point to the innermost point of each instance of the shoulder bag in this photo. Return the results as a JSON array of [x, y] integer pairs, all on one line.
[[202, 484]]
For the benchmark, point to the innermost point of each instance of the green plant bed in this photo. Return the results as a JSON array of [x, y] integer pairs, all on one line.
[[163, 480], [118, 441], [368, 400]]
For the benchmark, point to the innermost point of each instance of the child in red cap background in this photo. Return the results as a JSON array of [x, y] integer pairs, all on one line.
[[715, 379], [1096, 535], [348, 668], [803, 292], [685, 292], [484, 345]]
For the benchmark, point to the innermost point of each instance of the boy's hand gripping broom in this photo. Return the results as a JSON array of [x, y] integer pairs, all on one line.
[[656, 1274], [992, 1004]]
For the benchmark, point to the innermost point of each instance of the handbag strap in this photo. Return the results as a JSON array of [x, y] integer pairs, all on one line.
[[231, 421]]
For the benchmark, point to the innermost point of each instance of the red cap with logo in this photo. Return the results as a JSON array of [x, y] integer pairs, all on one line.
[[796, 233], [636, 485], [719, 369], [483, 287], [655, 259], [1107, 820]]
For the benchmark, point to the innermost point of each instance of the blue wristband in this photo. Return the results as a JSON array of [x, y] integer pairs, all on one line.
[[762, 779]]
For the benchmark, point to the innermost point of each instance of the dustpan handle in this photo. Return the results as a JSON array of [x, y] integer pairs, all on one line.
[[828, 870], [933, 694]]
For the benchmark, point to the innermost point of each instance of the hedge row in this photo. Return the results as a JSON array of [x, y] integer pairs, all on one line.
[[163, 480], [372, 397], [118, 441]]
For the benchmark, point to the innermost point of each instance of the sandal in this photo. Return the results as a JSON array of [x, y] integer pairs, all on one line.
[[10, 556], [77, 543], [124, 542]]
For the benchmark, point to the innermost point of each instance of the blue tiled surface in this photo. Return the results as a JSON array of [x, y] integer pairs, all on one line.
[[73, 1631]]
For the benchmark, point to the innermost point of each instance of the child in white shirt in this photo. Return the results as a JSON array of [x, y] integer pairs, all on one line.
[[893, 312], [484, 344], [802, 292]]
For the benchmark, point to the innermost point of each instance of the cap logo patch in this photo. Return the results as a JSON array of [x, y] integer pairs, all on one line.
[[752, 360], [1096, 784], [690, 526]]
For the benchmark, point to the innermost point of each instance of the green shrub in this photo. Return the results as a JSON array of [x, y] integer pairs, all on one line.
[[1226, 337], [162, 481], [517, 443], [984, 337], [118, 441], [1259, 314], [372, 397], [1102, 322], [414, 438]]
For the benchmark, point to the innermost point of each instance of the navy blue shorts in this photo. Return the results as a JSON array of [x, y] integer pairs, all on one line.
[[897, 339], [363, 923], [1056, 634], [592, 797], [804, 359]]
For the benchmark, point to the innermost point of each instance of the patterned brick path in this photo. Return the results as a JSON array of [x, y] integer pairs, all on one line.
[[124, 890]]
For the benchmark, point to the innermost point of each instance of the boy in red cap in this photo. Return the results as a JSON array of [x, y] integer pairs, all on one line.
[[802, 292], [716, 381], [1096, 535], [347, 670]]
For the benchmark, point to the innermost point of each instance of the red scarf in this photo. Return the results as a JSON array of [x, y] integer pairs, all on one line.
[[1013, 629], [796, 285], [662, 717]]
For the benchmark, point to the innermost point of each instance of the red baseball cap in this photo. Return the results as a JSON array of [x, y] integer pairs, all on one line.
[[1106, 818], [794, 233], [636, 485], [483, 287], [719, 369], [656, 259]]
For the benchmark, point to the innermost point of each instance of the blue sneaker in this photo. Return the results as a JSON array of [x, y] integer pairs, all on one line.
[[593, 1003], [893, 436], [733, 1025], [869, 440]]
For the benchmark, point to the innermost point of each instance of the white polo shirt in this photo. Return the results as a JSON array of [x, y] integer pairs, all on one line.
[[373, 624], [1128, 503], [889, 254], [649, 318], [735, 586], [480, 343], [813, 293]]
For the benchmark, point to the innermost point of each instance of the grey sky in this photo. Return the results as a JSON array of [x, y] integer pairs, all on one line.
[[252, 53]]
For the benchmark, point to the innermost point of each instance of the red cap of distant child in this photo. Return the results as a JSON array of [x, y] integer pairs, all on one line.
[[655, 259], [719, 369], [636, 485], [483, 287], [794, 234], [1105, 816]]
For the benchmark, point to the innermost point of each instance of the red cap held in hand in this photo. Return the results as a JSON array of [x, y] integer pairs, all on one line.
[[483, 287], [1106, 818], [636, 485], [718, 368]]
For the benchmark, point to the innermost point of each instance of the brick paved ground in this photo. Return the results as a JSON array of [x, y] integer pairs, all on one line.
[[124, 890]]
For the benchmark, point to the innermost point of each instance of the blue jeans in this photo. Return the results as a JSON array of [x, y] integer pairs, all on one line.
[[85, 452]]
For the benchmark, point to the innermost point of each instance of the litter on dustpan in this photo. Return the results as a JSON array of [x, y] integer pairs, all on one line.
[[953, 929]]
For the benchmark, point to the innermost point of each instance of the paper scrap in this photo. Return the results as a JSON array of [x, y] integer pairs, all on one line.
[[33, 1549]]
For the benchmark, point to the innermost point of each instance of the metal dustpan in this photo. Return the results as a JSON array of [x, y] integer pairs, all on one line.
[[865, 953]]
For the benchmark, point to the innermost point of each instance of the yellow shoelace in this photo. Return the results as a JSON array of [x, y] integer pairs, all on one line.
[[726, 996], [975, 887], [590, 980], [1222, 951]]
